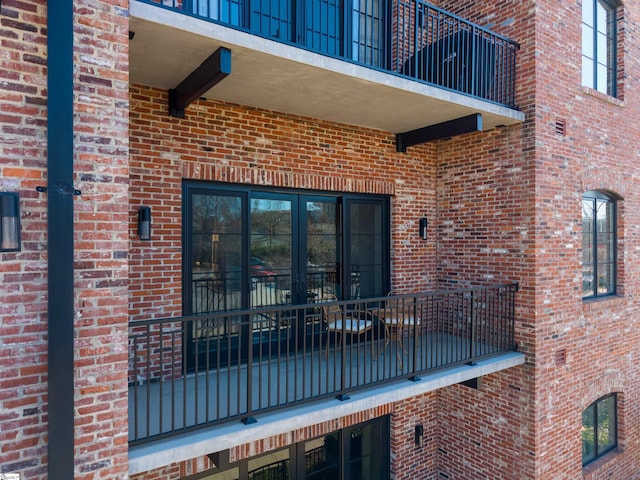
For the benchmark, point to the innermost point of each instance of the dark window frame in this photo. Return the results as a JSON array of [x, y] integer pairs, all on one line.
[[360, 33], [246, 192], [593, 55], [233, 289], [296, 454], [594, 197], [597, 452]]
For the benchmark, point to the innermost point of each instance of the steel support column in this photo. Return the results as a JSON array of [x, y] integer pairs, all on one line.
[[60, 238]]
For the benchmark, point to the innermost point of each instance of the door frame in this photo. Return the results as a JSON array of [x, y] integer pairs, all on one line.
[[246, 193]]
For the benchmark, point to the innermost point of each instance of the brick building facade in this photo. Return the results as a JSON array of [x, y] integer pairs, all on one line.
[[503, 204]]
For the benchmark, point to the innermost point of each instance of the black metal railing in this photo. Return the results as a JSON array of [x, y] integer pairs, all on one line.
[[406, 37], [217, 291], [192, 372]]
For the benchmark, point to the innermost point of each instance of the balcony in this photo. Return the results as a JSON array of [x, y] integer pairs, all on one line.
[[393, 65], [215, 369]]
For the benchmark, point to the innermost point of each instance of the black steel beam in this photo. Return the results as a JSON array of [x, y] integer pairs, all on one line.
[[470, 123], [209, 73], [60, 238]]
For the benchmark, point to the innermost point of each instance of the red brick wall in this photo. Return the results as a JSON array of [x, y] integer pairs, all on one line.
[[411, 461], [227, 143], [23, 328], [101, 245], [598, 151], [528, 226]]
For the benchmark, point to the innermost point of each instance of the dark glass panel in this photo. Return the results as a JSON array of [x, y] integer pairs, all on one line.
[[323, 247], [323, 23], [366, 249], [322, 458], [588, 434], [271, 251], [216, 252], [273, 466], [606, 424]]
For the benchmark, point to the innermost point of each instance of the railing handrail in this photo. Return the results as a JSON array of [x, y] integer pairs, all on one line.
[[250, 361], [420, 2], [513, 287]]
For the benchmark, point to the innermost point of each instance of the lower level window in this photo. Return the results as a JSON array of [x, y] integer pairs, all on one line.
[[360, 452], [599, 428]]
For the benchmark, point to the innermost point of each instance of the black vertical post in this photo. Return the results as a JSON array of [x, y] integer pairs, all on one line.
[[60, 238]]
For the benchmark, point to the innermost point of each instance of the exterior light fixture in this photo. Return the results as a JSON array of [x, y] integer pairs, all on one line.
[[144, 223], [9, 222], [419, 435], [423, 228]]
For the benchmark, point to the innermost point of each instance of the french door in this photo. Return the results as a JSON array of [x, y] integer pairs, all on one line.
[[250, 248], [355, 29]]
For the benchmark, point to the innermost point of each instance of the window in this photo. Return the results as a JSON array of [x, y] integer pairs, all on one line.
[[599, 428], [369, 32], [250, 247], [598, 245], [356, 29], [599, 45], [360, 452]]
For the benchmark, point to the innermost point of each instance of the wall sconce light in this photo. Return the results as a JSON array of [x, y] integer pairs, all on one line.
[[419, 435], [423, 228], [144, 223], [9, 222]]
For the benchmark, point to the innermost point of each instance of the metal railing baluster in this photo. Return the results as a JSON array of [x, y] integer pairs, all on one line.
[[435, 37], [295, 359]]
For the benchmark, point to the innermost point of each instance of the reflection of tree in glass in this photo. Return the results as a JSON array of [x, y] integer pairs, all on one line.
[[216, 225], [588, 433], [321, 234], [599, 428], [271, 232]]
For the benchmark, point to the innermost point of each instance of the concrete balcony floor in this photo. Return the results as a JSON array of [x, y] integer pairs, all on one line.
[[289, 393]]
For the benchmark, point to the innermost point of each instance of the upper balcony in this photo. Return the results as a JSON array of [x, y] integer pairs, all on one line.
[[393, 65]]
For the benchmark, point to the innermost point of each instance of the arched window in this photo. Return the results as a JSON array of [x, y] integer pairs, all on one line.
[[599, 428], [598, 245]]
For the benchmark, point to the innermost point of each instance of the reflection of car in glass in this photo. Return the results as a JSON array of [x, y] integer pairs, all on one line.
[[260, 268]]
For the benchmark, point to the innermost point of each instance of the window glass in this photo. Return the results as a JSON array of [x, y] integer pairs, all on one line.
[[322, 458], [599, 45], [216, 260], [598, 245], [273, 466], [359, 452], [227, 11], [367, 249], [599, 428], [365, 449], [231, 474], [256, 247], [588, 434], [368, 27]]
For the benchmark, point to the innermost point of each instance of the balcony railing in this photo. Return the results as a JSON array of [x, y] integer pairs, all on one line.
[[192, 372], [410, 38]]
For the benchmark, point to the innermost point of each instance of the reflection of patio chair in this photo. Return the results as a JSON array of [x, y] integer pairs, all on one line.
[[339, 319], [400, 316]]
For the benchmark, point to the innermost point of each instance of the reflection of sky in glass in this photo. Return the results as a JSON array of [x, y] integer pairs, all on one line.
[[227, 11], [597, 45]]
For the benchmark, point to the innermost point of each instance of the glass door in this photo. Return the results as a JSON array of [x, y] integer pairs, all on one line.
[[254, 249], [367, 244], [271, 260], [320, 252], [214, 273], [324, 26]]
